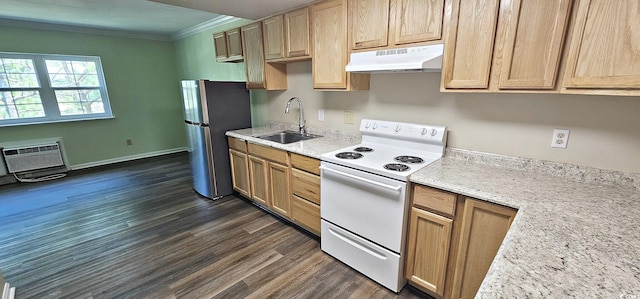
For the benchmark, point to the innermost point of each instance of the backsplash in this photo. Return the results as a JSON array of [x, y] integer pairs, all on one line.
[[564, 170]]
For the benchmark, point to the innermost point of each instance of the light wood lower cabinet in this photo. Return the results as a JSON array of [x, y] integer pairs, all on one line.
[[483, 227], [240, 172], [279, 188], [452, 241], [305, 192], [429, 239], [306, 214], [259, 180]]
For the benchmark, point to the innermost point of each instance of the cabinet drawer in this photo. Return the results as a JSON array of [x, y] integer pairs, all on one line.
[[305, 163], [269, 153], [237, 144], [434, 200], [306, 214], [305, 185]]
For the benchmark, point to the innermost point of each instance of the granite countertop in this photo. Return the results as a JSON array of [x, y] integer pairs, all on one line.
[[576, 234], [330, 140], [572, 237]]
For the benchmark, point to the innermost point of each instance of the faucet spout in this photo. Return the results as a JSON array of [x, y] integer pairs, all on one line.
[[302, 124]]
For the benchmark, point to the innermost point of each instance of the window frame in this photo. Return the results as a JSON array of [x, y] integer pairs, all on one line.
[[47, 92]]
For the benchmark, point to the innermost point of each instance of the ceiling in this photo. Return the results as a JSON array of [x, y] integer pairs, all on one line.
[[136, 16]]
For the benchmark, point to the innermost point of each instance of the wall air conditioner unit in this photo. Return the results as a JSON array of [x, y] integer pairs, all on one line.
[[37, 161]]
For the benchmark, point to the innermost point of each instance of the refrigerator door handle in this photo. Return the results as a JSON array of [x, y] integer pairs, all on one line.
[[196, 123]]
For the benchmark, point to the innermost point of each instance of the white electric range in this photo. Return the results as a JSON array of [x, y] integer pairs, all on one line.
[[364, 196]]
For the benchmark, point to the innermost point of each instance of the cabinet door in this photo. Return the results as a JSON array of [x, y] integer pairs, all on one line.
[[220, 45], [305, 185], [329, 44], [369, 23], [605, 45], [469, 44], [240, 172], [428, 250], [296, 28], [533, 44], [259, 180], [483, 227], [253, 55], [273, 38], [417, 20], [279, 188], [234, 44]]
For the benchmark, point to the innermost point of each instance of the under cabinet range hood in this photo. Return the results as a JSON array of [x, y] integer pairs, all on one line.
[[412, 59]]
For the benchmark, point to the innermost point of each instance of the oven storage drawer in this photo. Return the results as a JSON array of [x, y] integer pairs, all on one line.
[[368, 258]]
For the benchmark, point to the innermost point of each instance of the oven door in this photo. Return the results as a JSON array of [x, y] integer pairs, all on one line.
[[368, 205]]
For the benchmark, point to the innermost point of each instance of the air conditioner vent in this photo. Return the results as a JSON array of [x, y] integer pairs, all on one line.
[[32, 157]]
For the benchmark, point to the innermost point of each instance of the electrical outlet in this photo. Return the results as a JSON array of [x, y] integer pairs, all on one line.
[[560, 138], [349, 118], [129, 142], [321, 115]]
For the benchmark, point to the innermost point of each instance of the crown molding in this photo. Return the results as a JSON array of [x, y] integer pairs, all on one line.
[[88, 30], [215, 22]]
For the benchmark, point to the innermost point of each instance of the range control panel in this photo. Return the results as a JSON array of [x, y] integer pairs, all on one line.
[[400, 130]]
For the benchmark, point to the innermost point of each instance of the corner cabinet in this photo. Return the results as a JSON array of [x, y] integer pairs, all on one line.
[[260, 75], [452, 241], [382, 23], [504, 45], [330, 48], [604, 54]]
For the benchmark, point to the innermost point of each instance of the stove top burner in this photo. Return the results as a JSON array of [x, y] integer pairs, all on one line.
[[396, 167], [363, 149], [348, 155], [408, 159]]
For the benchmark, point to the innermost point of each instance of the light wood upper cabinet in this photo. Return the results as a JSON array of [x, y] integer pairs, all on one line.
[[234, 44], [369, 23], [483, 227], [286, 37], [469, 44], [220, 45], [414, 21], [428, 250], [273, 29], [228, 45], [382, 23], [533, 44], [605, 48], [495, 45], [297, 32], [330, 52], [260, 75]]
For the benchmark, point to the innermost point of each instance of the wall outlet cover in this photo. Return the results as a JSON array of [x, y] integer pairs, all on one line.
[[560, 138]]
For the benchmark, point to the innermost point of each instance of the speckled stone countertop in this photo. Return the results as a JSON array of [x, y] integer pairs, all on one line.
[[330, 140], [576, 234]]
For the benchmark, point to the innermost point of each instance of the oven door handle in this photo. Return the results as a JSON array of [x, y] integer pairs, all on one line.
[[357, 178]]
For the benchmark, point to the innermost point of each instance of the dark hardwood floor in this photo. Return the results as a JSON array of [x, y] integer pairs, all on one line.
[[138, 230]]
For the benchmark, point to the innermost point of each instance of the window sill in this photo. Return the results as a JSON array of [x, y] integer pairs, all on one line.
[[56, 121]]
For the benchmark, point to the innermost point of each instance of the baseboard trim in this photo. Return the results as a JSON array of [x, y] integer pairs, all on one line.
[[127, 158]]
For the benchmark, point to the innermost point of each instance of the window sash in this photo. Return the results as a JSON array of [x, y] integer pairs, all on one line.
[[48, 93]]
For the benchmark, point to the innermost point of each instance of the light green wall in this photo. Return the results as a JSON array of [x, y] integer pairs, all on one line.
[[142, 82], [197, 60]]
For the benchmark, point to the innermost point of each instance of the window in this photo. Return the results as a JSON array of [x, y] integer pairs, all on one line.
[[38, 88]]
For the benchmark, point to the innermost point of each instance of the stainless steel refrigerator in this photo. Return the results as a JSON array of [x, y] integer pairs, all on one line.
[[210, 110]]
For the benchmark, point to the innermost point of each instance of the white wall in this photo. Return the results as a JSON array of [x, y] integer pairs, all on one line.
[[605, 130]]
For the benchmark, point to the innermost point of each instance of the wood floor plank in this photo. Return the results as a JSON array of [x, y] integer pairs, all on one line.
[[138, 230]]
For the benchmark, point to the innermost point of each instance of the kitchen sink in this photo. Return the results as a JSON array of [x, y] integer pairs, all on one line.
[[285, 137]]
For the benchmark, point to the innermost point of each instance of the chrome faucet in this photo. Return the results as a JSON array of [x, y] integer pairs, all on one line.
[[302, 124]]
